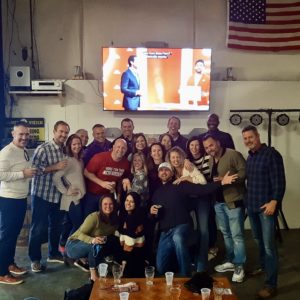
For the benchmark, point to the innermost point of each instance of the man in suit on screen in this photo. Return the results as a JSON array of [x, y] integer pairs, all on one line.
[[130, 85]]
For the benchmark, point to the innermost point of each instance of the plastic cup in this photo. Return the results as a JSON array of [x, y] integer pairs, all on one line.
[[102, 269], [169, 278], [124, 296], [149, 274], [218, 289], [205, 293]]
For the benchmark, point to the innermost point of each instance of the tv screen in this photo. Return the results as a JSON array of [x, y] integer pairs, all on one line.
[[151, 79]]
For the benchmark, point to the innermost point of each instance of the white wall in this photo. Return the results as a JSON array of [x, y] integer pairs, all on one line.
[[72, 32]]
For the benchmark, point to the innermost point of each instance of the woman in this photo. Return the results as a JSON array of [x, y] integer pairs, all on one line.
[[155, 158], [139, 182], [95, 238], [176, 157], [70, 182], [131, 228], [167, 141], [140, 144], [195, 155]]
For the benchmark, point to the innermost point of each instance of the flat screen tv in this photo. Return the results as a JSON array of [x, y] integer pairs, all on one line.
[[159, 79]]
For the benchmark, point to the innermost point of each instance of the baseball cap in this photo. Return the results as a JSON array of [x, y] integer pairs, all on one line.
[[165, 165]]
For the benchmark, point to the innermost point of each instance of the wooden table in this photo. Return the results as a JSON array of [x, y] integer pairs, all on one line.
[[158, 291]]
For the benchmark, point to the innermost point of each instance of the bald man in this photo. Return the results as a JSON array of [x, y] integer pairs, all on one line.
[[103, 172]]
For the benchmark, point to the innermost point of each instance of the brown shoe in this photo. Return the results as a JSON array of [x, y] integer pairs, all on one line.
[[9, 279], [16, 270], [266, 293]]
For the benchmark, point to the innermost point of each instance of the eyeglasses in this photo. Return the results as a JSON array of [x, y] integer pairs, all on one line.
[[26, 155]]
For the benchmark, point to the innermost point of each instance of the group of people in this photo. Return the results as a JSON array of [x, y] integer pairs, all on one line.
[[139, 204]]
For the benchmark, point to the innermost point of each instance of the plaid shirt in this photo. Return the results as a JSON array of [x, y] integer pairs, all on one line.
[[42, 185], [265, 177]]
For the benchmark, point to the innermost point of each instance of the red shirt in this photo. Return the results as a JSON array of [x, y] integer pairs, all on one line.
[[105, 168]]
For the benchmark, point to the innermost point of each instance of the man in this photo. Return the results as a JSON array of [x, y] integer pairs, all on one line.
[[172, 211], [199, 78], [103, 172], [15, 172], [84, 136], [130, 85], [174, 126], [46, 215], [127, 128], [229, 206], [266, 188], [98, 145], [224, 137]]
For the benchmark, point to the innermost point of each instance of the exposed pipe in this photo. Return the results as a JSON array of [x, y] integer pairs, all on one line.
[[2, 82]]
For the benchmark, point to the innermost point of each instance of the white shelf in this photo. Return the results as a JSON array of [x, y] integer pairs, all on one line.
[[19, 94], [30, 93]]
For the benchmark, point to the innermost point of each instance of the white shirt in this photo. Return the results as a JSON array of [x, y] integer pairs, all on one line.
[[12, 163]]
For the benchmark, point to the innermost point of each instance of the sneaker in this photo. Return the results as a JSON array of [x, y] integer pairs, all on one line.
[[82, 266], [9, 279], [37, 267], [15, 270], [225, 267], [238, 275], [56, 259], [266, 293]]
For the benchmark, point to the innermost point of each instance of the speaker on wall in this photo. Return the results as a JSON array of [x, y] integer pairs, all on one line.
[[19, 77]]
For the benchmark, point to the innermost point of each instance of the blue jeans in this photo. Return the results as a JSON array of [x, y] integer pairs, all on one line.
[[263, 230], [71, 222], [77, 249], [231, 224], [12, 214], [45, 227], [174, 242], [202, 208]]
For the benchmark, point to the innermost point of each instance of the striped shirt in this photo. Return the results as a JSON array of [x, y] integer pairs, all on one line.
[[43, 186], [202, 164], [265, 177]]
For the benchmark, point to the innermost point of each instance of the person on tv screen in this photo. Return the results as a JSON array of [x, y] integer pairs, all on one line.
[[130, 85], [201, 79]]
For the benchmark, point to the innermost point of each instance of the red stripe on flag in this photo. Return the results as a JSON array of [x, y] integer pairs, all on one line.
[[263, 30], [263, 40], [264, 48], [282, 5], [282, 22]]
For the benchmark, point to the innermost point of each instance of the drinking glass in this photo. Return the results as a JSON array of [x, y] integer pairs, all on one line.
[[149, 273], [117, 272]]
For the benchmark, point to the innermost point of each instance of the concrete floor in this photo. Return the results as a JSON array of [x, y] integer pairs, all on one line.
[[52, 284]]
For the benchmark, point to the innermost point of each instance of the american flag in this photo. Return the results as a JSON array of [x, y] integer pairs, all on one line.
[[263, 25]]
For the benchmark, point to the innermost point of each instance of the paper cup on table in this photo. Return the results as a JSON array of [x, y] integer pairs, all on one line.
[[124, 296], [102, 269], [205, 293], [169, 278]]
